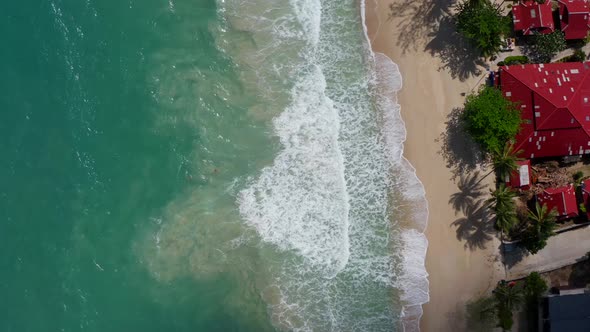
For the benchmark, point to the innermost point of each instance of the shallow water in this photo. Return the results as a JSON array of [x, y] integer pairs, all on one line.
[[199, 165]]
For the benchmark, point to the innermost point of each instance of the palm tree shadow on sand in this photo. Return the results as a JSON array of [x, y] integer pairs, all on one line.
[[461, 154], [417, 19], [476, 228], [470, 191], [428, 25], [458, 56]]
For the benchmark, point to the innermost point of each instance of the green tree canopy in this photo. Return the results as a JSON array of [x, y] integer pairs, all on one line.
[[483, 24], [543, 47], [542, 224], [534, 286], [502, 204], [491, 119], [508, 297], [505, 161]]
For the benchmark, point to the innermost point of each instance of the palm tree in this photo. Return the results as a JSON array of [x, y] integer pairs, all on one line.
[[542, 224], [506, 219], [479, 3], [502, 204], [540, 216], [505, 161], [502, 196], [509, 296]]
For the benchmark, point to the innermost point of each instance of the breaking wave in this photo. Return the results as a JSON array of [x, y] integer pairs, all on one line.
[[340, 212]]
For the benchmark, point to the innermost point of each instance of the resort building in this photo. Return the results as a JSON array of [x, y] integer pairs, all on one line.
[[574, 16], [554, 100], [530, 17], [521, 178], [562, 199], [567, 311]]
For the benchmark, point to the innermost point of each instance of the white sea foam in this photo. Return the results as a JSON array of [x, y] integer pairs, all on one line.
[[414, 279], [300, 202], [330, 201]]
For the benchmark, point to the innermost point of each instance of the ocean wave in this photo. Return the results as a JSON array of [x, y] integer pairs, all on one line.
[[331, 209], [414, 280], [300, 202]]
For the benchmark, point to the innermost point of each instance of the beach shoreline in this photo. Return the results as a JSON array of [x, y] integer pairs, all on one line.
[[461, 268]]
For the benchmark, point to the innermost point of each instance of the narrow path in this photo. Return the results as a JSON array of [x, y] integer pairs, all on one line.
[[561, 250]]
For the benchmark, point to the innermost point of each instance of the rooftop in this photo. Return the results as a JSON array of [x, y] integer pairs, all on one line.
[[554, 100], [562, 199], [568, 312], [529, 16], [574, 18]]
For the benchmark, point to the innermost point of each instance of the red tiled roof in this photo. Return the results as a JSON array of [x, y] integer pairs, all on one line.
[[554, 100], [562, 199], [574, 18], [530, 16], [521, 178]]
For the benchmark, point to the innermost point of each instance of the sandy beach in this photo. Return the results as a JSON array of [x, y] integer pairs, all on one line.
[[438, 69]]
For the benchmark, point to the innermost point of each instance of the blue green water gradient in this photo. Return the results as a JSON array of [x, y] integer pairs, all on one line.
[[201, 165], [88, 160]]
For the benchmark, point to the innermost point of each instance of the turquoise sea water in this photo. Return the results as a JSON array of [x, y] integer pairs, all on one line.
[[200, 165]]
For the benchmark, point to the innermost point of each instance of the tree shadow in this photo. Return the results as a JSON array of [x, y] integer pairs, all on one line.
[[580, 273], [470, 190], [417, 19], [459, 57], [480, 314], [462, 155], [456, 318], [512, 254], [476, 227]]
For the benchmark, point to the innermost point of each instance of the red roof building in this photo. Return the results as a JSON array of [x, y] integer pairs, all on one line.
[[574, 16], [521, 178], [554, 100], [529, 16], [562, 199]]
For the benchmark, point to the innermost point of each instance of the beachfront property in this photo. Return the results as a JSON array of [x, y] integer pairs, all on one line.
[[522, 177], [568, 310], [562, 200], [530, 17], [574, 16], [554, 100]]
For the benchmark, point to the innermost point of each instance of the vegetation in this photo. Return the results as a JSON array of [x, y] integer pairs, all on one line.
[[502, 204], [505, 161], [481, 314], [534, 288], [483, 24], [491, 119], [543, 47], [509, 297], [578, 56], [516, 60], [540, 228], [578, 176]]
